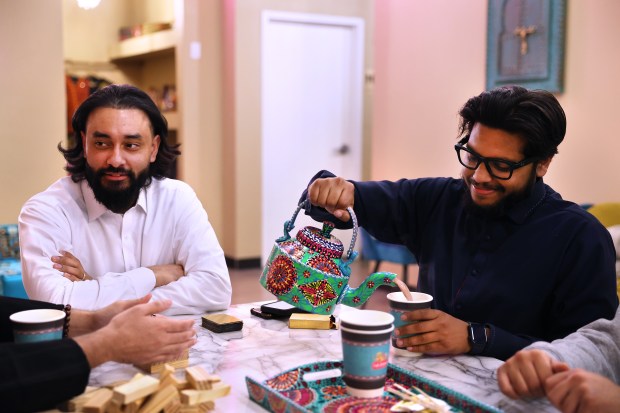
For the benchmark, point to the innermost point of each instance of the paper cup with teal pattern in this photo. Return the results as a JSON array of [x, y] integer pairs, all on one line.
[[365, 350], [37, 325], [399, 305]]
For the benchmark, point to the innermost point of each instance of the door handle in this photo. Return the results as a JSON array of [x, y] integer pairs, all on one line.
[[344, 149]]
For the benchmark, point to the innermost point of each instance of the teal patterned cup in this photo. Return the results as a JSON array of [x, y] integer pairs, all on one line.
[[399, 305], [365, 350], [37, 325]]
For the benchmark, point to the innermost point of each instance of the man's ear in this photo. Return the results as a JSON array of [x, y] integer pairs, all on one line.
[[542, 167], [155, 148]]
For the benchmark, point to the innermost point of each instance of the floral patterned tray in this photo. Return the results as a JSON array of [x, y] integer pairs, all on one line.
[[290, 392]]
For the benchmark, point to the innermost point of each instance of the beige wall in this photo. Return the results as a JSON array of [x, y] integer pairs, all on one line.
[[430, 58], [32, 101]]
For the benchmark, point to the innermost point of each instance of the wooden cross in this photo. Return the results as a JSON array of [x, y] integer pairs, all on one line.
[[522, 32]]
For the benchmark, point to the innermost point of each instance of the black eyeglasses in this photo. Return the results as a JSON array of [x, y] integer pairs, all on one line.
[[498, 168]]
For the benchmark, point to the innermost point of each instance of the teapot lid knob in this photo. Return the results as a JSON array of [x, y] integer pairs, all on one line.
[[327, 229]]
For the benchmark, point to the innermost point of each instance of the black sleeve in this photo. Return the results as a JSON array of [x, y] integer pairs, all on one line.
[[320, 214], [39, 376], [10, 305]]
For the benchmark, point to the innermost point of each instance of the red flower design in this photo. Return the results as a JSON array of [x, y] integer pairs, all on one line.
[[318, 292], [281, 276], [324, 264]]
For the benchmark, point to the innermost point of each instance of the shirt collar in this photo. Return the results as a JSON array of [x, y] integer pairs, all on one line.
[[96, 209], [523, 209]]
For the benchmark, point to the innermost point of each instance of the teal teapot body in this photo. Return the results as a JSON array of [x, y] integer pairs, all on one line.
[[311, 271]]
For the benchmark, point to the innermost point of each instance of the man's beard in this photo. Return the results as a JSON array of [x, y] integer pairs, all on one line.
[[503, 205], [116, 199]]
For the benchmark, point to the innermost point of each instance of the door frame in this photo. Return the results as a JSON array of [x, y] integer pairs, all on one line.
[[357, 27]]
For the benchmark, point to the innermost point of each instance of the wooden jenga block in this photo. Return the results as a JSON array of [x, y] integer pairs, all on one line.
[[179, 383], [173, 407], [193, 397], [159, 400], [199, 379], [206, 406], [166, 370], [114, 407], [135, 389], [75, 404], [181, 362], [98, 401], [134, 406], [189, 409]]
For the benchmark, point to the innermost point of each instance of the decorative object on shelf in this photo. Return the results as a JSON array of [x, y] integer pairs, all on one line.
[[525, 43], [141, 29], [310, 272]]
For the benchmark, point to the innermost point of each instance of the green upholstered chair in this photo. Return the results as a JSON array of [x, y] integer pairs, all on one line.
[[378, 251]]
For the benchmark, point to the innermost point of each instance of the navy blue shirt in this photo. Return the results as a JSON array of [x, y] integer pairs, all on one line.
[[539, 272]]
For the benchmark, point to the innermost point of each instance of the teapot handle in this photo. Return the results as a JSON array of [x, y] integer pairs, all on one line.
[[290, 224]]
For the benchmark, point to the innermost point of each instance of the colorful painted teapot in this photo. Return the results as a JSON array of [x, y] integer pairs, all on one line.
[[309, 272]]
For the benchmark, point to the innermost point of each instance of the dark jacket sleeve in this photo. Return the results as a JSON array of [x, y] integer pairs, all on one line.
[[320, 214], [38, 376], [10, 305]]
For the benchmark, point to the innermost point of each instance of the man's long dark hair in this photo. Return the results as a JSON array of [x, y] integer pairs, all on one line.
[[534, 115], [120, 97]]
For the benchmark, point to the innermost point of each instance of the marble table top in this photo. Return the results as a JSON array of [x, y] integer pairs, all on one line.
[[265, 348]]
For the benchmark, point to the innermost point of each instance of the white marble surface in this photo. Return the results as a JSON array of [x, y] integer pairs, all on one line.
[[264, 348]]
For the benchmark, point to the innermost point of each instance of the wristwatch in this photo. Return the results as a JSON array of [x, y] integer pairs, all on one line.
[[477, 336]]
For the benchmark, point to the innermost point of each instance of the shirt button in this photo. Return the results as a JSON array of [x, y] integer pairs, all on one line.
[[474, 272], [459, 306], [487, 238]]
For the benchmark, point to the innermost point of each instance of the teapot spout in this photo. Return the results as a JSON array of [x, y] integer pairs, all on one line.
[[355, 297]]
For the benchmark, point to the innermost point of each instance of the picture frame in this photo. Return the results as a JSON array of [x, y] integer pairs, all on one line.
[[526, 44]]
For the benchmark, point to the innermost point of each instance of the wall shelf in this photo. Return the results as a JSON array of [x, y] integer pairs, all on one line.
[[173, 120], [140, 47]]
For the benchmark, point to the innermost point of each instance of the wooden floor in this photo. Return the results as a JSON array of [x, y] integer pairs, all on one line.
[[246, 286]]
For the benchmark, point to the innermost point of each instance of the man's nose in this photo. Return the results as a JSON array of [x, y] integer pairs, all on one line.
[[116, 158], [482, 173]]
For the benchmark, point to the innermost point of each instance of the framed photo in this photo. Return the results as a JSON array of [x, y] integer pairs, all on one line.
[[525, 44]]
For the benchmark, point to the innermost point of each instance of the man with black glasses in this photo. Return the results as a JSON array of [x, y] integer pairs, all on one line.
[[507, 260]]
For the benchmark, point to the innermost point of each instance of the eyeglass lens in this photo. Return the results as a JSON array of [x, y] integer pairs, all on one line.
[[496, 167]]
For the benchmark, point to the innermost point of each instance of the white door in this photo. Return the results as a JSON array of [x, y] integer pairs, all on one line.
[[312, 88]]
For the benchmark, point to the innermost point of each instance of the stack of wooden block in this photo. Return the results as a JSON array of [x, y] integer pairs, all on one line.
[[195, 393]]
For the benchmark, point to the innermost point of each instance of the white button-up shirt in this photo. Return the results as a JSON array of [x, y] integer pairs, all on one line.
[[168, 225]]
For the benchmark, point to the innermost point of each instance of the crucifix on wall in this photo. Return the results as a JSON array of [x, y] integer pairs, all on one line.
[[522, 32], [525, 43]]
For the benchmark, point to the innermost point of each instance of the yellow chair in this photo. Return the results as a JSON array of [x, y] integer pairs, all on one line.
[[606, 212]]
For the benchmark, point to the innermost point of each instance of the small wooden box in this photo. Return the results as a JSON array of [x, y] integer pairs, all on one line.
[[312, 321]]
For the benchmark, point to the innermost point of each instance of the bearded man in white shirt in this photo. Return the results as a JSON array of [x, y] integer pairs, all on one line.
[[116, 228]]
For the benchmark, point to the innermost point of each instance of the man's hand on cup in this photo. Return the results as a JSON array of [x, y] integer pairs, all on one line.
[[333, 194], [436, 333]]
